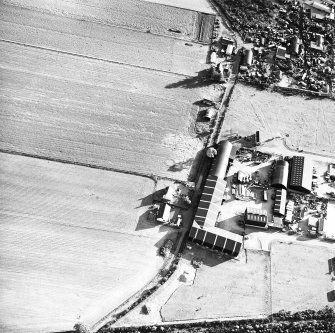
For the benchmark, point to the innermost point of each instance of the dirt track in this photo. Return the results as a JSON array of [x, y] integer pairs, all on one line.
[[71, 243]]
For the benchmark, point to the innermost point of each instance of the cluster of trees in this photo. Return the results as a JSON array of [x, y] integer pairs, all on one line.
[[308, 321]]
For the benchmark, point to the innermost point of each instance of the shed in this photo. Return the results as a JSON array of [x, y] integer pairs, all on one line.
[[295, 44], [280, 202], [229, 49], [220, 164], [256, 217], [281, 52], [280, 174]]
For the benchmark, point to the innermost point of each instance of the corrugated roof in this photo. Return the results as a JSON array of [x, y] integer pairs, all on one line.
[[210, 201], [280, 174], [301, 174], [280, 202], [254, 216]]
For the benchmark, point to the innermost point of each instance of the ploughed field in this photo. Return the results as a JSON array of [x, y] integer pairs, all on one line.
[[77, 84], [74, 243]]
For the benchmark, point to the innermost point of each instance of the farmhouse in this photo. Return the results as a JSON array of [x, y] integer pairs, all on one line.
[[256, 217], [301, 174], [280, 174]]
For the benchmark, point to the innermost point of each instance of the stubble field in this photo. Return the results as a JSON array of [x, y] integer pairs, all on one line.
[[303, 122], [74, 243]]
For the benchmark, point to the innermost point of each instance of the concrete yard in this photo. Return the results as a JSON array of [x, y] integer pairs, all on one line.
[[75, 243], [72, 84], [303, 122]]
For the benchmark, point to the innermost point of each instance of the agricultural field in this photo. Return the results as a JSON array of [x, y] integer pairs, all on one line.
[[303, 122], [303, 279], [75, 243], [75, 89], [224, 289], [130, 14], [110, 43]]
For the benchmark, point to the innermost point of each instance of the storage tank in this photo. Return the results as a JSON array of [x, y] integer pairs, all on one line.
[[280, 174]]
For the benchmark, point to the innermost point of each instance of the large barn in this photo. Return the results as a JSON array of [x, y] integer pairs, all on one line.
[[217, 239], [203, 231], [301, 174], [280, 174]]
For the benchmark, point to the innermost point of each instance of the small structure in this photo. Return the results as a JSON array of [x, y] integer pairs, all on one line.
[[280, 202], [256, 217], [248, 57], [229, 49], [220, 164], [318, 44], [280, 174], [257, 138], [213, 57], [163, 214], [289, 211], [295, 45], [320, 6], [301, 174]]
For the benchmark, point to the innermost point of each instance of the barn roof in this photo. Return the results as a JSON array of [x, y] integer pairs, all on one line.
[[301, 174], [218, 239]]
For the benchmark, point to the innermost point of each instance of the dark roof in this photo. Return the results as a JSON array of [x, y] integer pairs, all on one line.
[[301, 174], [220, 163], [210, 201], [256, 217], [280, 202], [217, 239], [280, 174]]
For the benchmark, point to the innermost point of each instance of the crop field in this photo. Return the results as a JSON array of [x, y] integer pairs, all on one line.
[[110, 43], [76, 91], [224, 289], [74, 243], [131, 14], [303, 122], [300, 277]]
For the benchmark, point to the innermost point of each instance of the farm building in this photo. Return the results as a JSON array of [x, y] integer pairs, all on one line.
[[248, 57], [280, 174], [163, 214], [210, 201], [256, 217], [280, 202], [216, 239], [220, 164], [301, 174]]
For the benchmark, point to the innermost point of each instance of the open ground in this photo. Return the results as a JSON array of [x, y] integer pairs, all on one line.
[[75, 243], [290, 277], [304, 122], [73, 86]]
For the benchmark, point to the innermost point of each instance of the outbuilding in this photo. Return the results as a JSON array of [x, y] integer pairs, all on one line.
[[248, 58], [256, 217], [280, 202]]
